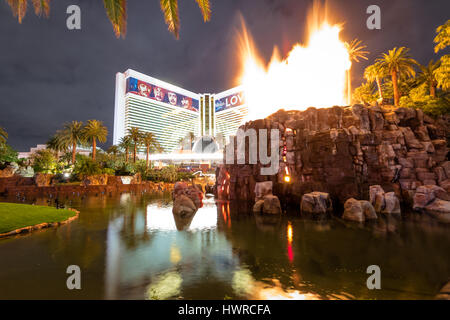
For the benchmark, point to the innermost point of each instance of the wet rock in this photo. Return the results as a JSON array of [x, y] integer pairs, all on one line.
[[377, 198], [316, 203], [258, 206], [444, 293], [433, 200], [96, 180], [426, 194], [392, 204], [271, 205], [189, 190], [184, 206], [358, 210]]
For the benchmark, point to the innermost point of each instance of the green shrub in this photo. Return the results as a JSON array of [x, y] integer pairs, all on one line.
[[44, 161], [86, 167], [109, 171]]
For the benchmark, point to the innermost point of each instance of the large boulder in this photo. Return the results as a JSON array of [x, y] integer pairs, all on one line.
[[271, 204], [316, 203], [358, 210], [387, 203], [392, 204], [433, 200], [189, 190], [183, 206], [9, 171], [262, 189], [426, 194]]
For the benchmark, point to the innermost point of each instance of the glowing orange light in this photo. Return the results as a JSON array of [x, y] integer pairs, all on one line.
[[289, 233], [313, 74], [287, 179]]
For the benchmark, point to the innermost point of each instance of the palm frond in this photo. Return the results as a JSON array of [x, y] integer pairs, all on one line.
[[170, 10], [356, 50], [19, 8], [42, 7], [205, 7], [116, 10]]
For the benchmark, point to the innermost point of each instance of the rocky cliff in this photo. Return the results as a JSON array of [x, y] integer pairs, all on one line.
[[343, 151]]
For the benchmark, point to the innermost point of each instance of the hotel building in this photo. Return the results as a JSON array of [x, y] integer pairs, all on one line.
[[171, 112]]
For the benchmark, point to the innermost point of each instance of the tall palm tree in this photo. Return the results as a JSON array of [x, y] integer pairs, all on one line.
[[135, 136], [3, 135], [356, 52], [150, 143], [126, 143], [428, 75], [72, 135], [375, 73], [398, 63], [93, 131], [116, 10]]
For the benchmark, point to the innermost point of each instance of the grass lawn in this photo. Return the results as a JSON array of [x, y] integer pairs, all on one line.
[[14, 216]]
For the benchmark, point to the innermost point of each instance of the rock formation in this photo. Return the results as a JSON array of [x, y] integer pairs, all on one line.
[[316, 203], [358, 210], [265, 201], [343, 151], [187, 199]]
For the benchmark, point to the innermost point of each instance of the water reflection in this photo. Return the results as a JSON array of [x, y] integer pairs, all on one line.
[[133, 247]]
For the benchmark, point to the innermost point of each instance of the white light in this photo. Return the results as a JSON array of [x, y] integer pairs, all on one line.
[[186, 156]]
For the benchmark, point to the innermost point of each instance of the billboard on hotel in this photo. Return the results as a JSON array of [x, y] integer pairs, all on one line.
[[158, 93], [233, 100]]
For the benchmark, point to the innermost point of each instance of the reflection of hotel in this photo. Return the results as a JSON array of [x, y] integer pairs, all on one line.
[[171, 112]]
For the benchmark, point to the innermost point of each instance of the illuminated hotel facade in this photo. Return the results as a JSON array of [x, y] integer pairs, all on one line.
[[171, 112]]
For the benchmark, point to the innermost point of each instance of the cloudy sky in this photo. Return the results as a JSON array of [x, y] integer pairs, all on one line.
[[50, 75]]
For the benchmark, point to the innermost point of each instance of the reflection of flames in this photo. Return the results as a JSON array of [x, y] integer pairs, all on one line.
[[311, 75]]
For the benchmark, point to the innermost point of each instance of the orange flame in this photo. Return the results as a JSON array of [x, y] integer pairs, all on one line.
[[311, 75]]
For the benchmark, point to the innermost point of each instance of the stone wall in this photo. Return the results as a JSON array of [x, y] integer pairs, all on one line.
[[17, 186], [343, 151]]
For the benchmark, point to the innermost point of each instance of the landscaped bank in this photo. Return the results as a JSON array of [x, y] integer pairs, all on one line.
[[20, 218]]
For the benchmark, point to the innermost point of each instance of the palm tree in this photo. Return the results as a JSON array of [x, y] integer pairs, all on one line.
[[73, 134], [3, 135], [191, 138], [428, 75], [442, 41], [116, 10], [150, 142], [57, 143], [355, 51], [375, 73], [126, 143], [93, 131], [399, 64], [135, 136], [114, 150]]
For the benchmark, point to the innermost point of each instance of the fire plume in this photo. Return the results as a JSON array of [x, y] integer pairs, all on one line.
[[310, 75]]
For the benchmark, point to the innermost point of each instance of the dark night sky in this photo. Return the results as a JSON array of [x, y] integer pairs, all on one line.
[[50, 75]]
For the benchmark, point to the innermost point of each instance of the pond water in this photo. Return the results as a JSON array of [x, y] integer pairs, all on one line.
[[132, 247]]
